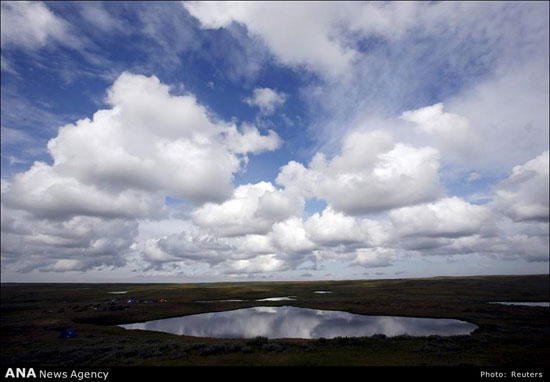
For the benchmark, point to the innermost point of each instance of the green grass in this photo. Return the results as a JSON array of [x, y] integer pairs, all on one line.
[[32, 315]]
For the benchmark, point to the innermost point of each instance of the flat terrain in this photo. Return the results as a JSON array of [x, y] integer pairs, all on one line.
[[33, 315]]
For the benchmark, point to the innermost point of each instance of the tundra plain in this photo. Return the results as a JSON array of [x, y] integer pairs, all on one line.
[[33, 316]]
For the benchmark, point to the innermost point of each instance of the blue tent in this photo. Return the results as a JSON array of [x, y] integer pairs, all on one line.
[[132, 301], [69, 333]]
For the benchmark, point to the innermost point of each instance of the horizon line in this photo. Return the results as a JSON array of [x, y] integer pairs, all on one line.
[[287, 281]]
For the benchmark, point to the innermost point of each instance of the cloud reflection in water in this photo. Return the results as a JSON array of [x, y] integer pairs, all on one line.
[[293, 322]]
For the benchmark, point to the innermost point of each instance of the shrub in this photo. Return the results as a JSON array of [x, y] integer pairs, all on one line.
[[212, 349], [273, 347], [379, 337], [258, 341]]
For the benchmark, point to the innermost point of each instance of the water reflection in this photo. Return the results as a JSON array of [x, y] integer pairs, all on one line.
[[288, 298], [322, 291], [545, 304], [293, 322]]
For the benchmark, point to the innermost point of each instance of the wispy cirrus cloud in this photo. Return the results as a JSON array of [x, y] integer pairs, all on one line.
[[31, 25]]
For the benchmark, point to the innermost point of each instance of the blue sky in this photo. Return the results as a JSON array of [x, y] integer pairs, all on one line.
[[170, 141]]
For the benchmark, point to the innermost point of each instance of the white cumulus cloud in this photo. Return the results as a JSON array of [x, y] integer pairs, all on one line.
[[123, 161], [249, 140], [375, 257], [119, 166], [454, 132], [252, 209], [77, 243], [259, 264], [371, 174], [291, 237], [333, 228], [524, 195], [267, 100], [448, 217]]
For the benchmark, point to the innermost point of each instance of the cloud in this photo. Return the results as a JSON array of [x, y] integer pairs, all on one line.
[[473, 85], [524, 196], [371, 174], [119, 166], [7, 66], [330, 38], [96, 14], [298, 34], [447, 217], [249, 140], [267, 100], [126, 159], [78, 243], [452, 226], [473, 176], [191, 245], [11, 136], [252, 209], [167, 29], [236, 254], [530, 248], [331, 228], [467, 56], [519, 130], [374, 257], [259, 264], [291, 237], [241, 236], [454, 132], [504, 246], [32, 25], [46, 193], [233, 235]]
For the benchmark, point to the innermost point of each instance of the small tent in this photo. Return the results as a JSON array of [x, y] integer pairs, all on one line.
[[132, 301], [69, 333]]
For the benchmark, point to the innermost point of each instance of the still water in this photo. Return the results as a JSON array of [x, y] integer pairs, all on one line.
[[293, 322], [288, 298], [545, 304]]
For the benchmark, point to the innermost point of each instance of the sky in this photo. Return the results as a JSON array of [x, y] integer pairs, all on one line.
[[206, 141]]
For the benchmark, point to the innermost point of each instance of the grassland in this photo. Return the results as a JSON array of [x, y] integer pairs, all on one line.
[[33, 315]]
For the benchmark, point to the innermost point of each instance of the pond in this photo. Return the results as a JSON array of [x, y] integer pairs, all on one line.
[[288, 298], [544, 304], [293, 322]]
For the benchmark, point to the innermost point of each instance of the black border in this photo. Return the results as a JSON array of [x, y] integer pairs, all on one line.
[[258, 373]]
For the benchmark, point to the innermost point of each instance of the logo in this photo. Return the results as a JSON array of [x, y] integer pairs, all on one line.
[[20, 372]]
